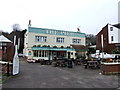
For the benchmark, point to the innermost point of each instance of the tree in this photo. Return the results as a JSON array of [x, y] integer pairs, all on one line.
[[90, 39], [116, 51], [16, 27]]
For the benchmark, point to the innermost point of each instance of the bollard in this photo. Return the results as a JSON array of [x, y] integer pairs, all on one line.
[[85, 66], [70, 64], [8, 69]]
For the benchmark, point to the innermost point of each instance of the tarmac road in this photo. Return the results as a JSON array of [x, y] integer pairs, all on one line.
[[34, 75]]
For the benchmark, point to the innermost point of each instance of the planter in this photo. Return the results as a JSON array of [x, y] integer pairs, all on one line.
[[110, 68]]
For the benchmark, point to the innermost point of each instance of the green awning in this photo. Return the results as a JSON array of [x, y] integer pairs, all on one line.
[[53, 49]]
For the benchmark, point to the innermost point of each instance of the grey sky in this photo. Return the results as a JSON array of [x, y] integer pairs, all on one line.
[[90, 15]]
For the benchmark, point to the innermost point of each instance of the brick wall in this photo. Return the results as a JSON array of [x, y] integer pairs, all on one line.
[[9, 53], [107, 47]]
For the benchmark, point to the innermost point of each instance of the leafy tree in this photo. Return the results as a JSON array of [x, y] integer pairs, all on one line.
[[90, 39], [116, 51]]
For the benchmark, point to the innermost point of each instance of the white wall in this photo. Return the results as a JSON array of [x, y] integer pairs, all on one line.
[[119, 12], [113, 33], [51, 40], [119, 35]]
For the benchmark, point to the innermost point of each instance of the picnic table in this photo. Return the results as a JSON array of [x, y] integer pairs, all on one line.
[[77, 61], [45, 62], [63, 63], [92, 64]]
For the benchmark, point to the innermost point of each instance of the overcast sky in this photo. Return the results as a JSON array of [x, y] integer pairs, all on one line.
[[90, 15]]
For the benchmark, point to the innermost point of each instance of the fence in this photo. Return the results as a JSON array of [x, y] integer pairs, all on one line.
[[5, 70]]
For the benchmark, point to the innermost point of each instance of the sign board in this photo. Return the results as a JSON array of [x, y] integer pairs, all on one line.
[[97, 51], [29, 53], [15, 62]]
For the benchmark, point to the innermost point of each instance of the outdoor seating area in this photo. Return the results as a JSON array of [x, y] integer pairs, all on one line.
[[70, 63], [106, 66], [44, 62], [62, 63], [92, 64]]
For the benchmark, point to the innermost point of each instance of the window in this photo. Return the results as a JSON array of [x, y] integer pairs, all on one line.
[[35, 53], [111, 28], [76, 41], [0, 43], [46, 54], [40, 53], [40, 38], [60, 40], [4, 44], [112, 38]]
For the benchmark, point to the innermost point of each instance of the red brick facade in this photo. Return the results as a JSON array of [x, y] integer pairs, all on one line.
[[107, 47], [7, 52]]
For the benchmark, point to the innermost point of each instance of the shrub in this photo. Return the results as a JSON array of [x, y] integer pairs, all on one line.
[[39, 45], [62, 46], [54, 46], [116, 51], [68, 46], [44, 46], [34, 45], [48, 46]]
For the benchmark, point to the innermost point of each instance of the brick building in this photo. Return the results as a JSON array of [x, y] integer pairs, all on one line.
[[6, 49], [19, 35], [111, 38]]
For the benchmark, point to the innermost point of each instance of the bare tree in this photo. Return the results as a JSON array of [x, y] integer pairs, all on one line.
[[16, 27]]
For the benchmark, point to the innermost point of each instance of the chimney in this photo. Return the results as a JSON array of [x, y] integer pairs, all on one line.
[[29, 23], [78, 29]]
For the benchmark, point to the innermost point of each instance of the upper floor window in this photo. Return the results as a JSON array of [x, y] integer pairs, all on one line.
[[111, 28], [60, 39], [76, 41], [112, 38], [40, 38]]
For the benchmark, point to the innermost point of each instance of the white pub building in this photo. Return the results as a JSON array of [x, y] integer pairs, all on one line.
[[42, 43]]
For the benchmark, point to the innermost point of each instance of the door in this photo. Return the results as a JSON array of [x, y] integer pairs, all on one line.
[[68, 55]]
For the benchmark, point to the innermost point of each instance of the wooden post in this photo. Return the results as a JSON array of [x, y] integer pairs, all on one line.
[[8, 69]]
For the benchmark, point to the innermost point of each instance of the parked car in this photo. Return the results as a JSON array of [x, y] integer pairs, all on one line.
[[31, 60], [21, 55]]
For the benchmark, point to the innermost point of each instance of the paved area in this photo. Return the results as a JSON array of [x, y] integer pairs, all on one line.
[[34, 75]]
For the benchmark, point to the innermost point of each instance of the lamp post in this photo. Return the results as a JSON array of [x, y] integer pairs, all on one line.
[[102, 45]]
